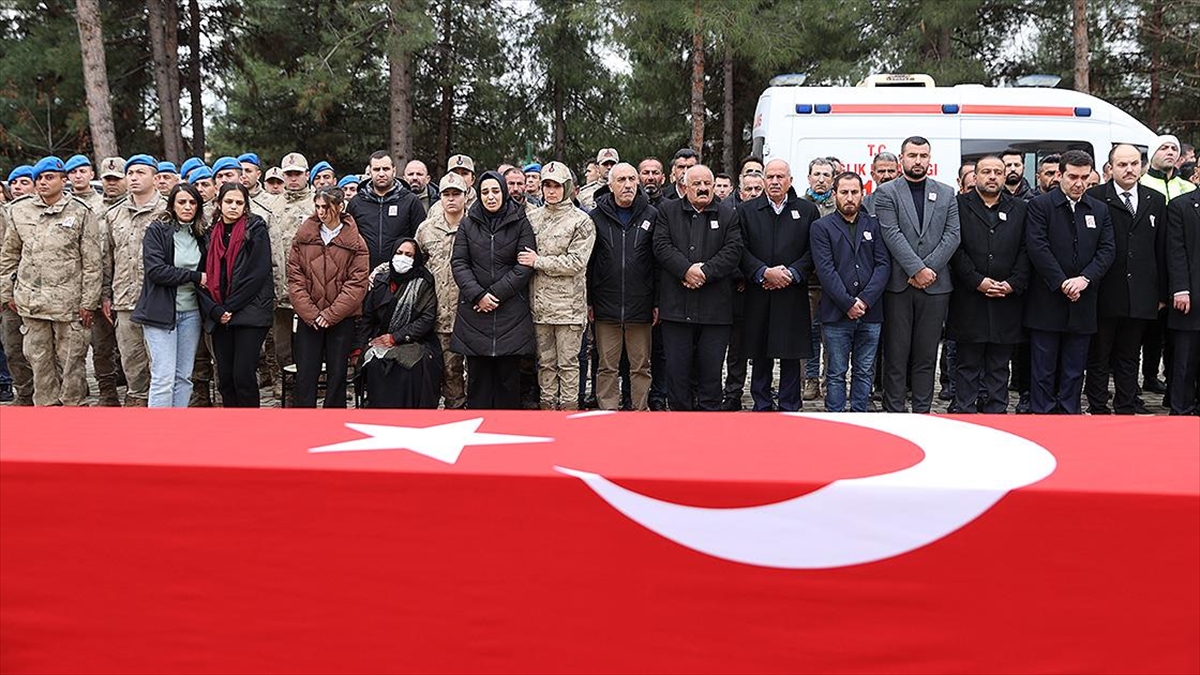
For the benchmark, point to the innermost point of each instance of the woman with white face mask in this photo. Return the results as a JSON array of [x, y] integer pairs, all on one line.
[[400, 353]]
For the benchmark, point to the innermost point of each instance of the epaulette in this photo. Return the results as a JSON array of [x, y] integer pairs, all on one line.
[[77, 198], [119, 202], [22, 198]]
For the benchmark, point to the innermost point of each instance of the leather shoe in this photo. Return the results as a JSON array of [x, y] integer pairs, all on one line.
[[1154, 385]]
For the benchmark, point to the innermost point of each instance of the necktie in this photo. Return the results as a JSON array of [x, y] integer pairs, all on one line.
[[1128, 201]]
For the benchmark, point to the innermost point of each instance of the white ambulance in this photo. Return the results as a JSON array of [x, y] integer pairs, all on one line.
[[964, 122]]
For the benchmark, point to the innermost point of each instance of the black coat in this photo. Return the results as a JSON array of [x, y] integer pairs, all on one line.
[[1183, 258], [1062, 245], [162, 279], [485, 261], [621, 276], [384, 220], [778, 324], [1137, 280], [683, 237], [252, 296], [994, 252], [388, 384]]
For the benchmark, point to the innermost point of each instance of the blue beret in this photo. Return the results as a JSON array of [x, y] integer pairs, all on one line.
[[76, 161], [532, 167], [249, 157], [22, 171], [142, 160], [167, 167], [348, 180], [321, 166], [189, 164], [198, 174], [226, 163], [45, 164]]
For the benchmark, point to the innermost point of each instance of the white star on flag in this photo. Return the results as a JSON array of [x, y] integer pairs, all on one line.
[[443, 442]]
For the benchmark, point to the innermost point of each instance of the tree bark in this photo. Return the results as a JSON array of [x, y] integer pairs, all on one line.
[[1080, 36], [1156, 39], [698, 109], [728, 142], [400, 84], [446, 110], [195, 78], [95, 78], [560, 122], [168, 99]]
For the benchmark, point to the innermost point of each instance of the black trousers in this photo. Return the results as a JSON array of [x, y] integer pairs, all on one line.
[[658, 366], [236, 352], [912, 323], [312, 347], [1185, 371], [981, 367], [494, 382], [1114, 351], [1154, 338], [694, 350], [1021, 369], [1057, 361]]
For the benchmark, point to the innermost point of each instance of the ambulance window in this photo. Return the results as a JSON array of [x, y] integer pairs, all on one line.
[[973, 149], [756, 147]]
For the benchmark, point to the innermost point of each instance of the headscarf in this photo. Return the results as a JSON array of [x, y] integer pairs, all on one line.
[[493, 220]]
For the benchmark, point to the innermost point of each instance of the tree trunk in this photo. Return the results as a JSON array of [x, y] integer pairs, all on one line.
[[1080, 35], [446, 111], [698, 110], [400, 86], [729, 144], [560, 122], [195, 79], [168, 98], [1156, 33], [95, 78]]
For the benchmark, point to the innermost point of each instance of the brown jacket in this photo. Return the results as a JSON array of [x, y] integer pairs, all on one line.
[[327, 280]]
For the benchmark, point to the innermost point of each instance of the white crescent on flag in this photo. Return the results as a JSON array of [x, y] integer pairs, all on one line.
[[967, 468]]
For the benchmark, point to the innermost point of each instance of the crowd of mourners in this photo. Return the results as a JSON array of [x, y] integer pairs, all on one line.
[[646, 287]]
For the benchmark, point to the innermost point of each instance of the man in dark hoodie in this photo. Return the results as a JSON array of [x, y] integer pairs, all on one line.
[[384, 209], [1014, 175]]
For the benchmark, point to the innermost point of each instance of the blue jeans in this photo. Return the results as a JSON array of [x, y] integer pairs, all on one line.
[[842, 339], [172, 354]]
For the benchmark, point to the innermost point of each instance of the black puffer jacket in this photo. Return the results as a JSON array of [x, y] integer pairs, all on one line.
[[251, 299], [485, 261], [383, 220], [156, 305], [622, 271]]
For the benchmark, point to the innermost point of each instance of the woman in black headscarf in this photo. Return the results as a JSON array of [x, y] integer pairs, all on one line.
[[493, 327], [400, 355]]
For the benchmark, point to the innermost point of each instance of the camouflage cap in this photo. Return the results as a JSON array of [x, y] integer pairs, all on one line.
[[452, 181], [557, 172], [274, 173], [460, 162], [293, 161], [607, 155], [112, 167]]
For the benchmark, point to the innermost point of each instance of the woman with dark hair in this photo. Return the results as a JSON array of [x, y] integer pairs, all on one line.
[[238, 298], [327, 279], [169, 307], [401, 355], [494, 327]]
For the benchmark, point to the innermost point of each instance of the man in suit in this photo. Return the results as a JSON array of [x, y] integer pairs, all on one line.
[[991, 274], [1134, 289], [918, 219], [1183, 277], [777, 266], [1069, 237]]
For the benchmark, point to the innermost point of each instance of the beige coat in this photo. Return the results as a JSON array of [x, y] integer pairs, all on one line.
[[295, 208], [124, 228], [55, 253], [565, 236], [435, 236]]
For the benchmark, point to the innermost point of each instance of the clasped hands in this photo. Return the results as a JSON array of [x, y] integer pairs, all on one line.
[[923, 279], [994, 289], [487, 303], [694, 277], [777, 277], [1073, 287]]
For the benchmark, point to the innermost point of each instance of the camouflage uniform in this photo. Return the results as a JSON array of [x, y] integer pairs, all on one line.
[[295, 207], [558, 291], [436, 239], [10, 337], [123, 228], [587, 194], [105, 357], [54, 251]]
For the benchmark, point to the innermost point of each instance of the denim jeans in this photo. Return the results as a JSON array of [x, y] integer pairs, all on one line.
[[842, 339], [172, 355]]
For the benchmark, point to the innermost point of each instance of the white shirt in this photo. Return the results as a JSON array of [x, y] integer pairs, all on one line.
[[327, 234]]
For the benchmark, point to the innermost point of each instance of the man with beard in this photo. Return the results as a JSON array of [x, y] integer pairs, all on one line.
[[819, 193], [698, 244], [650, 175], [1014, 174], [416, 174], [918, 219], [387, 212], [1047, 175], [884, 168], [514, 179]]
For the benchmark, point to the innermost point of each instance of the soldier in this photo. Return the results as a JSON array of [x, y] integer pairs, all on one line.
[[436, 238], [464, 166], [295, 206], [106, 361], [10, 321], [189, 164], [112, 182], [322, 175], [349, 186], [558, 290], [80, 173], [166, 178], [124, 228], [252, 175], [50, 274], [20, 180], [606, 159], [533, 184], [273, 183], [202, 178]]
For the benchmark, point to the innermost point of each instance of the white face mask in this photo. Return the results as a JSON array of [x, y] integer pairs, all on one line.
[[401, 263]]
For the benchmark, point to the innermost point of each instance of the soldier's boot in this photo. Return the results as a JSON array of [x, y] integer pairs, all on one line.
[[201, 395], [134, 402], [109, 398]]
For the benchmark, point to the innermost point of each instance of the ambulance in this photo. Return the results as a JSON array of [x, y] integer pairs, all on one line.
[[963, 122]]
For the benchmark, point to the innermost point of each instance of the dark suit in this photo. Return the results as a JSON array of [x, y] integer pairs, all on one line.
[[913, 318], [984, 328], [1128, 295], [1063, 243], [1183, 275]]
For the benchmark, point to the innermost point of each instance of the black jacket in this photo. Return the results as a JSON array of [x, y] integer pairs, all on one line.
[[384, 220], [992, 245], [485, 261], [683, 237], [252, 296], [621, 276], [1137, 280], [156, 305], [1183, 258], [1062, 245]]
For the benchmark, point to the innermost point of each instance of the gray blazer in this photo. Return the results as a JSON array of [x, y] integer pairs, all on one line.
[[915, 245]]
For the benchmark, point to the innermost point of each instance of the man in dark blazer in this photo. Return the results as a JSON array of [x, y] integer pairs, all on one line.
[[1183, 282], [698, 245], [1134, 288], [918, 219], [1069, 238], [853, 265], [991, 275], [777, 266]]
